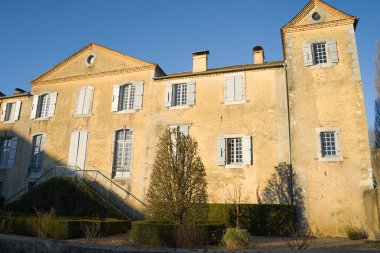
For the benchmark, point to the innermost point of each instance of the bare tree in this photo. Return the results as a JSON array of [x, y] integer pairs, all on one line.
[[177, 191], [238, 209]]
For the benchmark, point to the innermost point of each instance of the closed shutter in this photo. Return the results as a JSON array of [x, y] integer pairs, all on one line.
[[82, 147], [73, 149], [80, 102], [221, 151], [190, 96], [12, 153], [3, 111], [16, 116], [238, 89], [168, 95], [138, 100], [247, 150], [184, 129], [53, 101], [308, 54], [115, 98], [88, 100], [34, 107], [229, 89], [333, 51]]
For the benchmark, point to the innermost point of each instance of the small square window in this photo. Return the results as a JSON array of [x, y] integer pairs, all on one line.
[[319, 51], [328, 144]]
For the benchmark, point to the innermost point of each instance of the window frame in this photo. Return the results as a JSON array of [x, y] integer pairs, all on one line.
[[243, 163], [31, 171], [4, 163], [40, 104], [338, 147], [182, 94], [9, 117], [127, 173], [318, 55], [129, 100]]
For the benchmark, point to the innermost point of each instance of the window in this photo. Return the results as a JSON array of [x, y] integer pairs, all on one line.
[[127, 97], [321, 53], [328, 144], [234, 89], [10, 111], [234, 150], [84, 102], [36, 156], [8, 148], [122, 153], [43, 106], [180, 94]]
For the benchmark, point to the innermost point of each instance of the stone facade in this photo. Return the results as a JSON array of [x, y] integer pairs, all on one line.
[[246, 119]]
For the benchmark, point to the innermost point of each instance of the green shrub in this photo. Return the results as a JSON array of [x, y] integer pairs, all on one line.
[[354, 233], [258, 219], [66, 227], [67, 196], [236, 238], [162, 234]]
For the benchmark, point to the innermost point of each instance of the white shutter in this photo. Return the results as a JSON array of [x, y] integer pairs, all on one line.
[[3, 111], [12, 153], [230, 89], [115, 98], [73, 149], [53, 101], [34, 107], [247, 150], [221, 151], [82, 147], [16, 115], [138, 100], [308, 54], [190, 96], [88, 100], [80, 101], [184, 129], [238, 89], [333, 53], [168, 95]]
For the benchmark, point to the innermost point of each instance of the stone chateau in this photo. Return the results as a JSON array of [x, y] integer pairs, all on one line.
[[102, 110]]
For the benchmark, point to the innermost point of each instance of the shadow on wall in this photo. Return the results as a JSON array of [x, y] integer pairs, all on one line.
[[23, 161], [278, 190]]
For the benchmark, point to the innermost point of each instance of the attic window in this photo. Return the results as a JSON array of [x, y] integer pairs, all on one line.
[[316, 16], [90, 60]]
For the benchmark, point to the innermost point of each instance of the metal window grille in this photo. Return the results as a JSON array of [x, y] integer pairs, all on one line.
[[180, 94], [10, 111], [123, 150], [319, 51], [5, 148], [127, 96], [234, 151], [328, 143]]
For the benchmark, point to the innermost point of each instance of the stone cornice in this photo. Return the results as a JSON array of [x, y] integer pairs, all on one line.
[[94, 75], [347, 21]]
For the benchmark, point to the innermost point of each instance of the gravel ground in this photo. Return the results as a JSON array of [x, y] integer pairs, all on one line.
[[258, 242]]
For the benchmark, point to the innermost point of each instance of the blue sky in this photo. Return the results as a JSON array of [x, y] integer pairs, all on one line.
[[36, 35]]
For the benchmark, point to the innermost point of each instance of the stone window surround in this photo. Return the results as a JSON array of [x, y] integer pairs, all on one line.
[[338, 145]]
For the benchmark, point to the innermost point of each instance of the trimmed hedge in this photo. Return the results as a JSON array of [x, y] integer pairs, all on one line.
[[163, 234], [258, 219], [67, 228], [67, 196]]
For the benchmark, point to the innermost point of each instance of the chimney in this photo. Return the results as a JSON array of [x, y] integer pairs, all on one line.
[[18, 91], [258, 55], [200, 61]]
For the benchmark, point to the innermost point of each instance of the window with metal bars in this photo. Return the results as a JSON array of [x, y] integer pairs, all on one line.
[[319, 51]]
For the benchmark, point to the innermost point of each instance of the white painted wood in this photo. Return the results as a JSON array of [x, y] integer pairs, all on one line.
[[168, 95], [16, 115], [80, 101], [73, 149], [88, 97], [34, 107], [53, 101], [82, 148], [308, 54], [184, 129], [247, 150], [115, 98], [221, 151], [238, 89], [333, 51], [138, 100], [190, 96], [12, 153], [230, 88], [3, 110]]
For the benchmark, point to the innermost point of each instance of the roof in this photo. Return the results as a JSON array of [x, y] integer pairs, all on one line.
[[15, 95], [274, 64]]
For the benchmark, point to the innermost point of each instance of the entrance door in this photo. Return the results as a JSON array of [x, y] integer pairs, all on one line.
[[78, 148]]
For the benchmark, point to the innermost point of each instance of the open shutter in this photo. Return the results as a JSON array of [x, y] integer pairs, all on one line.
[[168, 95], [221, 151], [333, 51], [53, 101], [247, 150], [308, 54], [238, 89], [3, 111], [12, 153], [80, 101], [34, 107], [82, 147], [88, 100], [115, 98], [229, 89], [138, 100], [73, 149], [190, 96], [184, 129], [16, 115]]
